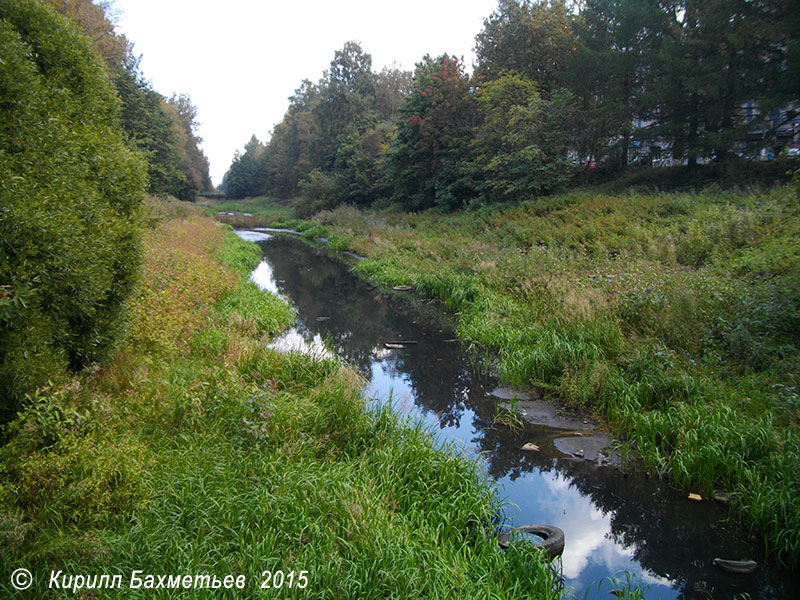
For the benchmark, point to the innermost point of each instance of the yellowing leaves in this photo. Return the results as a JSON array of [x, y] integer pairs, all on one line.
[[180, 281]]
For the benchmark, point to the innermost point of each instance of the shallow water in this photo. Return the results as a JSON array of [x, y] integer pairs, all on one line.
[[616, 524]]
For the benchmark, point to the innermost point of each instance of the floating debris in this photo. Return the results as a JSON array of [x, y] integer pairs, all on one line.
[[695, 497], [402, 288], [735, 566], [511, 394], [552, 538], [588, 447], [723, 498], [400, 343], [530, 446]]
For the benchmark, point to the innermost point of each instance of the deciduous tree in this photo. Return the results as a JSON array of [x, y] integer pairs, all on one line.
[[427, 164], [520, 145], [534, 38]]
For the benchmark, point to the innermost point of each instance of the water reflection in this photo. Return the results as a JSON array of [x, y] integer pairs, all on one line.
[[613, 521], [295, 341], [262, 276], [253, 236]]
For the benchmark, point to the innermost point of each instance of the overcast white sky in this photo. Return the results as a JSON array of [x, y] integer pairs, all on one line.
[[240, 60]]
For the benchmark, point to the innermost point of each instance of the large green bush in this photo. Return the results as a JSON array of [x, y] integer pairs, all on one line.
[[70, 192]]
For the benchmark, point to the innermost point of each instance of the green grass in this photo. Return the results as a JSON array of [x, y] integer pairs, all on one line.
[[247, 308], [508, 416], [202, 451], [239, 255], [675, 316], [265, 211]]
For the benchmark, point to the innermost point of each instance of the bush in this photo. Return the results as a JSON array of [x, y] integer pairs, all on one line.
[[71, 192], [319, 191]]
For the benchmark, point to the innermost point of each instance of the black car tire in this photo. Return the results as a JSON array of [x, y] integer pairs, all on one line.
[[552, 538]]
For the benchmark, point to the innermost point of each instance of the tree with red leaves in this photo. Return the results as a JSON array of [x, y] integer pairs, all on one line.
[[426, 162]]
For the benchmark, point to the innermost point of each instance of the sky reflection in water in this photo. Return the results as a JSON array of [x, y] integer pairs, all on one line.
[[613, 522]]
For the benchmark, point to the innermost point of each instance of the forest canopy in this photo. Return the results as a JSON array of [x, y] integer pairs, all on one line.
[[163, 129], [556, 87]]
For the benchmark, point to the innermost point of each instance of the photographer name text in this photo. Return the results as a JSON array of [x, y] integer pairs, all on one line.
[[140, 580]]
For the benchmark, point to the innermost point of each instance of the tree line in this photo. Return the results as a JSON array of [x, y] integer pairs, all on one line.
[[555, 85], [163, 129], [83, 138]]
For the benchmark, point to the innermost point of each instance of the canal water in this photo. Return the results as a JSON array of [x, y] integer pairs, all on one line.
[[620, 526]]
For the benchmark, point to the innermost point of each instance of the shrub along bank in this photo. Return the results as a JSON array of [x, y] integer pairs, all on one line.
[[676, 316], [70, 196], [196, 450]]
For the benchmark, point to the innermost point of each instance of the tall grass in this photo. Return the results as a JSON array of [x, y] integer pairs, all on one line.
[[197, 449], [676, 316]]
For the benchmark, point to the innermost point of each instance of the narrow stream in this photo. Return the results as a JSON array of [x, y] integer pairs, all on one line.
[[617, 525]]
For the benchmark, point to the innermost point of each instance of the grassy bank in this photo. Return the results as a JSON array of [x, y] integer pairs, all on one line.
[[676, 316], [198, 450], [248, 212]]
